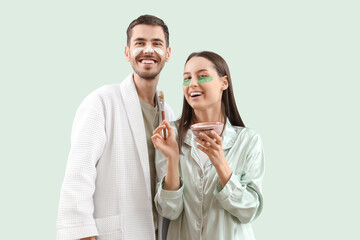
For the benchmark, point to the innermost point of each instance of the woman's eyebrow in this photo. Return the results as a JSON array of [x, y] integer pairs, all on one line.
[[201, 70]]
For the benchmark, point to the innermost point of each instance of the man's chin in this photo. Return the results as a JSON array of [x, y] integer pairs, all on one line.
[[147, 75]]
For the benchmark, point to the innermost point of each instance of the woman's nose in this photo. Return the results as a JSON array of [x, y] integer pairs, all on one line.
[[193, 83]]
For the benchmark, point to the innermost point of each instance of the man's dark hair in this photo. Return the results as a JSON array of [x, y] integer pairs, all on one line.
[[147, 20]]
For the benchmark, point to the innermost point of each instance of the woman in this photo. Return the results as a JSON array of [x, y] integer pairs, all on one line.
[[210, 187]]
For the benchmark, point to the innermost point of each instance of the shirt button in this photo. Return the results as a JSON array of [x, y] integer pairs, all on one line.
[[201, 175]]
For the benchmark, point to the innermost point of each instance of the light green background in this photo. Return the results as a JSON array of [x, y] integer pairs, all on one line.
[[295, 68]]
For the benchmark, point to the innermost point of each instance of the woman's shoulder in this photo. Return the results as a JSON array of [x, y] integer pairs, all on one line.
[[246, 133]]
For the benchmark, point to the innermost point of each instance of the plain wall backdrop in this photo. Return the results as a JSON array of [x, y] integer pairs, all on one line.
[[295, 70]]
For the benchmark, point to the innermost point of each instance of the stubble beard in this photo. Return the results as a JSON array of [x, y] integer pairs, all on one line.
[[143, 74], [147, 76]]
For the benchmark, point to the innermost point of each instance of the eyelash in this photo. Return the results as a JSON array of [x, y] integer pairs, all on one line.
[[200, 76], [155, 44]]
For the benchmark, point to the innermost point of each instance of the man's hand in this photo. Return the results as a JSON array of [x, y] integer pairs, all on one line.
[[88, 238]]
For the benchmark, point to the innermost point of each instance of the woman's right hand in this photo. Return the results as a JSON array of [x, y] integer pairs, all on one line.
[[168, 147]]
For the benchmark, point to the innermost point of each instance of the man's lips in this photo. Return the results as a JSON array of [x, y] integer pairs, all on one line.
[[147, 60]]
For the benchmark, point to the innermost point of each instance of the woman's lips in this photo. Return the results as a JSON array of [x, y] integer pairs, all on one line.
[[195, 94]]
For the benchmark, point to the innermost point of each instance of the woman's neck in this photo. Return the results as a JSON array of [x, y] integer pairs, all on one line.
[[208, 115]]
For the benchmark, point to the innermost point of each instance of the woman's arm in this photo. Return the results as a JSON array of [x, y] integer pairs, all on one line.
[[169, 148], [168, 199]]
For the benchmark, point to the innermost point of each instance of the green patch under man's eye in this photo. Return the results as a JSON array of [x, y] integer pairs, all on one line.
[[205, 79], [186, 82]]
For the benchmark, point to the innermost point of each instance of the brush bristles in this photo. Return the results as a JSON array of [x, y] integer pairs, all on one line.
[[161, 94]]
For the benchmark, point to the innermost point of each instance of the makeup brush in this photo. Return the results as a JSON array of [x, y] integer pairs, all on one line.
[[162, 109]]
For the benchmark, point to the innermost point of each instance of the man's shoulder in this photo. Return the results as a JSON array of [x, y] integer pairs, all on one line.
[[102, 96], [109, 90]]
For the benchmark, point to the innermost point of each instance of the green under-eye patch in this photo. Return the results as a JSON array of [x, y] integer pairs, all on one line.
[[205, 79], [200, 80], [186, 83]]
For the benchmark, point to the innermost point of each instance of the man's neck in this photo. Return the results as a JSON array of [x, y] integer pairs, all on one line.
[[146, 89]]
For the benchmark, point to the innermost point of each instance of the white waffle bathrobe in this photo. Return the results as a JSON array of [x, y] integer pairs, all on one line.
[[106, 189]]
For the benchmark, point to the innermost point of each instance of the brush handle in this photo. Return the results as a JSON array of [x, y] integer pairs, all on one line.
[[163, 118]]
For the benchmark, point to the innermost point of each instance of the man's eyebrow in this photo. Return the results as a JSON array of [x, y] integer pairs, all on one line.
[[157, 40], [153, 40], [201, 70], [139, 39]]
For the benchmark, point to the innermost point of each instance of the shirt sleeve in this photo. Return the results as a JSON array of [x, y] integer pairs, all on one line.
[[241, 196], [76, 207], [169, 203]]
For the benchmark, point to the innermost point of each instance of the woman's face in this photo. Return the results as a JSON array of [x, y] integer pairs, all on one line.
[[202, 86]]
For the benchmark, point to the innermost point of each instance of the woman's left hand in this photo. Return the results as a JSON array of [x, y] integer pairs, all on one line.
[[212, 146]]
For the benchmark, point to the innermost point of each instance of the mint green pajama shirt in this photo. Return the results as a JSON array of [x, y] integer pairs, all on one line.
[[201, 208]]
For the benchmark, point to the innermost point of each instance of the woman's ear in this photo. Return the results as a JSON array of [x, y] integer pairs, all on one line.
[[225, 83]]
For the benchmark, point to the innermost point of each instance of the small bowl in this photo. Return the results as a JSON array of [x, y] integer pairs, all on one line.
[[206, 127]]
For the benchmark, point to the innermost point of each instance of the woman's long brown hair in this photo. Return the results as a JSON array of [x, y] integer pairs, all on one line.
[[228, 104]]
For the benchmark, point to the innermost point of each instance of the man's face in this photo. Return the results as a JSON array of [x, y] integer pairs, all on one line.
[[147, 51]]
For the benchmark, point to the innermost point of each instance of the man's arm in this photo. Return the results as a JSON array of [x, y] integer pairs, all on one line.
[[76, 206]]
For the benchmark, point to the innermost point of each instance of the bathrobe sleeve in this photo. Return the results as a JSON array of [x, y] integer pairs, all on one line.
[[76, 207], [241, 196]]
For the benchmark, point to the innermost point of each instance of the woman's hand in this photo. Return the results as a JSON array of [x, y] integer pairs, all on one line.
[[168, 147], [212, 146]]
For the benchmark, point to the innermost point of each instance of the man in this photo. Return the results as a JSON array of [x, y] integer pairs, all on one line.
[[109, 184]]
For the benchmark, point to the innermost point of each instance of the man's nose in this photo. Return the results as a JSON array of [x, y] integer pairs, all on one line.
[[149, 49]]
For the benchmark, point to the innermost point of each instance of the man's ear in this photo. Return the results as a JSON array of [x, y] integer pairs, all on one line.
[[127, 53], [168, 53]]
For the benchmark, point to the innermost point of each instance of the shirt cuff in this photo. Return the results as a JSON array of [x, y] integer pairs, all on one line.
[[170, 194], [222, 193]]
